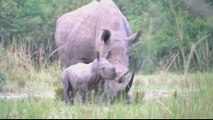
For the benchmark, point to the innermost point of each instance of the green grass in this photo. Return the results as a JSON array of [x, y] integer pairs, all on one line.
[[192, 101], [188, 96]]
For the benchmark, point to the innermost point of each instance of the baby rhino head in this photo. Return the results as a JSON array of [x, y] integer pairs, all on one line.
[[105, 68]]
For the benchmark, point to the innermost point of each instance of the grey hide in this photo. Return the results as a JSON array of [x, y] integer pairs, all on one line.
[[85, 77], [114, 90], [97, 26]]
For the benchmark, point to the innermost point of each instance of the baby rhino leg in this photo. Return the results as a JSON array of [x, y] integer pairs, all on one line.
[[83, 93], [98, 91], [73, 92], [67, 89]]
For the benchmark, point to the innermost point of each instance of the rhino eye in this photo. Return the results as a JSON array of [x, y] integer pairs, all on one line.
[[103, 68]]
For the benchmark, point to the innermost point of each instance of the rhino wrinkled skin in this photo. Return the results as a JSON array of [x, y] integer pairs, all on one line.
[[97, 26], [86, 77], [114, 90]]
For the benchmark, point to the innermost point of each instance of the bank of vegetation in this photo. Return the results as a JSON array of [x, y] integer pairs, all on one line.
[[174, 54]]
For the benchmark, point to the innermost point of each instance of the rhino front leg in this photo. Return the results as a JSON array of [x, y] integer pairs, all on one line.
[[98, 96], [99, 91], [128, 98], [82, 92]]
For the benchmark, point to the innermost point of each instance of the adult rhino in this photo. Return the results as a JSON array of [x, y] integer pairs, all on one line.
[[97, 26]]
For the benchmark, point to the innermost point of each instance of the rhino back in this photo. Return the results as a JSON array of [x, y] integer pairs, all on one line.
[[78, 32], [75, 32], [111, 18], [79, 74]]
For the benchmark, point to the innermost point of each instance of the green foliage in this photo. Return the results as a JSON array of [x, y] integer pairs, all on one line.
[[17, 72], [59, 91], [177, 36], [169, 28]]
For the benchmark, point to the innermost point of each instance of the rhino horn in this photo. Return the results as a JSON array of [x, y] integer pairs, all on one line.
[[129, 83], [125, 86]]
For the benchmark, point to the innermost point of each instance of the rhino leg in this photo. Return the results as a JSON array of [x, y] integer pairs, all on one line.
[[69, 92], [83, 93], [127, 98], [99, 91], [67, 89], [72, 94]]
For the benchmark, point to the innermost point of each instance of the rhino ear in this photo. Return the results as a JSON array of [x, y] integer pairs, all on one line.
[[134, 38], [106, 36], [98, 55]]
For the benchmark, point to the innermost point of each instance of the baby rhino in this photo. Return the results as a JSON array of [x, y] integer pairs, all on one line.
[[84, 77]]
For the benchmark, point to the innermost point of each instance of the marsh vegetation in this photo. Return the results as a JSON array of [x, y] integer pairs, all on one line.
[[173, 61]]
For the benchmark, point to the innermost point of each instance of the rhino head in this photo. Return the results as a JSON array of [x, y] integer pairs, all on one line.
[[114, 89], [104, 68], [120, 50]]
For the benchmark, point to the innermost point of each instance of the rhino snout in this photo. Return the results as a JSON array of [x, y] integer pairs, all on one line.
[[112, 75], [121, 71], [120, 77], [113, 71]]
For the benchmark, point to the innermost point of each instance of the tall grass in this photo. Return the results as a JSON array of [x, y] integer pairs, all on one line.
[[194, 101], [21, 75], [162, 95], [198, 58]]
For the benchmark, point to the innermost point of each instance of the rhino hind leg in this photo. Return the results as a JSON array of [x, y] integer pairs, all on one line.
[[67, 98], [67, 89], [72, 95]]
